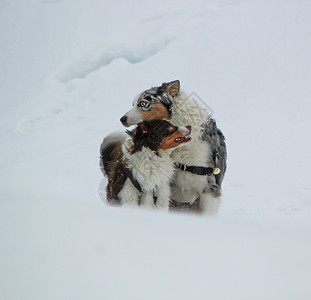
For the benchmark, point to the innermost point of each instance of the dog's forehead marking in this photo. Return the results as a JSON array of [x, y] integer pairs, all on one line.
[[153, 96], [156, 94]]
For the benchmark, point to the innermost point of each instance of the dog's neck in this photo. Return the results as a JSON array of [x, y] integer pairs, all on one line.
[[144, 157], [187, 111]]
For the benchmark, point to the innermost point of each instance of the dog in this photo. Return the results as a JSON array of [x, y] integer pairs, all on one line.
[[201, 163], [140, 169]]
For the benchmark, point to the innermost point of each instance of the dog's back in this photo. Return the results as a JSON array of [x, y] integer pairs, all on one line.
[[216, 139]]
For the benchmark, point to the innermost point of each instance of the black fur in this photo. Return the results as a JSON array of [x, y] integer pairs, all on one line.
[[158, 94], [152, 138], [216, 140]]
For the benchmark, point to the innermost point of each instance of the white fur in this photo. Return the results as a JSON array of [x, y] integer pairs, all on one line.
[[113, 137], [153, 172], [209, 204], [187, 186], [133, 115]]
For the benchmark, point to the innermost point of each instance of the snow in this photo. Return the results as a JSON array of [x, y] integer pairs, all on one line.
[[70, 69]]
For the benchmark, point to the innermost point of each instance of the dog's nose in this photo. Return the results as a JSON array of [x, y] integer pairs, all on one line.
[[189, 128], [123, 120]]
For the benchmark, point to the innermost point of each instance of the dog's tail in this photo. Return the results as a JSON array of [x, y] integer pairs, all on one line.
[[111, 151]]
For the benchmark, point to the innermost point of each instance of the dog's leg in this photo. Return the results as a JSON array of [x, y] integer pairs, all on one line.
[[147, 200], [129, 196], [163, 196], [183, 195], [209, 204]]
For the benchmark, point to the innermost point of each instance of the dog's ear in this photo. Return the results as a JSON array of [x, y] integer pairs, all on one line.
[[173, 87]]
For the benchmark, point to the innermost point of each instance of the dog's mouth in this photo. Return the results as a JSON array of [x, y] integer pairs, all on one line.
[[183, 139], [177, 137]]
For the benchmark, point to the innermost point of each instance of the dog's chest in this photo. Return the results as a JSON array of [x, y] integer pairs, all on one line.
[[150, 169]]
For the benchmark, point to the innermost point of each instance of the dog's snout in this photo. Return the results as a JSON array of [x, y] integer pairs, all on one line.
[[123, 120], [189, 128]]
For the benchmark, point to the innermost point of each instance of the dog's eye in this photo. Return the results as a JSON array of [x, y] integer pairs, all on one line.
[[142, 104], [171, 128]]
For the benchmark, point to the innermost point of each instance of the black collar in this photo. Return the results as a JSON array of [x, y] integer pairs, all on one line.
[[195, 169]]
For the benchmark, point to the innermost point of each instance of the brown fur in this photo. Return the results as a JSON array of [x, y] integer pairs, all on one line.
[[155, 135], [109, 154], [111, 164], [115, 182], [173, 87], [158, 112], [170, 142]]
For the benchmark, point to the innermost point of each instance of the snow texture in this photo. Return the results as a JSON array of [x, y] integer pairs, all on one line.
[[70, 70]]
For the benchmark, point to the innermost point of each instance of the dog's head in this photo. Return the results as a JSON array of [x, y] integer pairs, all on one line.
[[158, 135], [152, 104]]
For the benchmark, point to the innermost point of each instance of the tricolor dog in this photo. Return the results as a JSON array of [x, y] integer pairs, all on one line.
[[140, 168], [201, 163]]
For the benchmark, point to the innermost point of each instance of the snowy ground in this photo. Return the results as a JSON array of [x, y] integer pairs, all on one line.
[[70, 69]]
